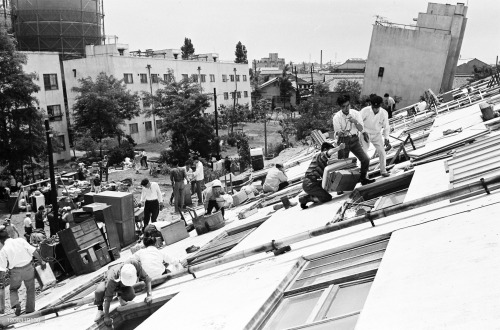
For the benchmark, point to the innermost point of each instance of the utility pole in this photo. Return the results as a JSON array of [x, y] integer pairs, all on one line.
[[53, 188], [216, 121], [297, 92], [152, 99], [234, 102], [199, 77], [312, 78]]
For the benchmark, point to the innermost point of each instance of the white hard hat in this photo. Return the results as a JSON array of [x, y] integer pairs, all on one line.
[[128, 275], [216, 183]]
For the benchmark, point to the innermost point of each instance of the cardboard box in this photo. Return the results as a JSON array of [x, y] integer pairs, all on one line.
[[173, 232]]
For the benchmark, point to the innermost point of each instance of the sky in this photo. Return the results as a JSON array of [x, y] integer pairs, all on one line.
[[297, 30]]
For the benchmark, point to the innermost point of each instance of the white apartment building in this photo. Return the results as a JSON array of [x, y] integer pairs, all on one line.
[[46, 68], [132, 67]]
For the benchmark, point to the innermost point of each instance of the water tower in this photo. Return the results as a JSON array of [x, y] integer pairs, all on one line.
[[64, 26]]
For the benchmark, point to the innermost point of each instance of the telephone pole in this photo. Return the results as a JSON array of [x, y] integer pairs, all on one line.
[[216, 122], [53, 187], [152, 99]]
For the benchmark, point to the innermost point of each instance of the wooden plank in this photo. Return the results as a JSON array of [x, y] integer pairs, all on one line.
[[245, 227]]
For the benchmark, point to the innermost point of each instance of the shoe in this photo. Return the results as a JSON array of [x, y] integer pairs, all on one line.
[[98, 316], [292, 204], [385, 174], [18, 310], [340, 192], [367, 181], [122, 302], [304, 200], [192, 249]]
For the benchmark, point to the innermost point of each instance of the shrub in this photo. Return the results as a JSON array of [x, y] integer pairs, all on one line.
[[274, 149], [118, 154]]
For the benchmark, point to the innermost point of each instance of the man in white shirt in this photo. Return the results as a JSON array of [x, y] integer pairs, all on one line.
[[28, 226], [375, 119], [389, 104], [198, 178], [347, 125], [16, 255], [276, 179], [151, 198]]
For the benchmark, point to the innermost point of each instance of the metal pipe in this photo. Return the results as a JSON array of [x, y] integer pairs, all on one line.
[[271, 246]]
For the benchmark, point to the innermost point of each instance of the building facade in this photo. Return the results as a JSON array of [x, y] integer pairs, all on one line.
[[273, 61], [117, 60], [407, 60], [46, 68]]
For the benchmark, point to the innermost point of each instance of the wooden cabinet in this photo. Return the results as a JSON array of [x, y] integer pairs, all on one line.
[[122, 207], [80, 244]]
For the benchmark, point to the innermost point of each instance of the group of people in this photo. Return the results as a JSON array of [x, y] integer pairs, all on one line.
[[356, 130]]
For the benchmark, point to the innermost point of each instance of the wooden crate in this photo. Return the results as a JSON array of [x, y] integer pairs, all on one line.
[[173, 232]]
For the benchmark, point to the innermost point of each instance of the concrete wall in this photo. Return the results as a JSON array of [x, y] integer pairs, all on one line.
[[119, 65], [413, 61], [41, 63]]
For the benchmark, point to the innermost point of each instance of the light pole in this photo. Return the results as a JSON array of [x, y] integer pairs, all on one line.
[[199, 77], [53, 188], [234, 102], [152, 100]]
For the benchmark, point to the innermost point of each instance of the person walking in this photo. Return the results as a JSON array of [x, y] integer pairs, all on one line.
[[178, 177], [375, 119], [144, 159], [389, 105], [16, 255], [348, 124], [276, 179], [198, 178], [151, 198]]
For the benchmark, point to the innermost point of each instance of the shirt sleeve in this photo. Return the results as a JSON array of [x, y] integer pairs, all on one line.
[[30, 248], [359, 118], [158, 193], [336, 123], [385, 124], [282, 177], [3, 261], [143, 195]]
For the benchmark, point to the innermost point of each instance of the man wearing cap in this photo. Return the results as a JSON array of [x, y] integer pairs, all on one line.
[[151, 198], [17, 255], [276, 179], [119, 281], [375, 119], [213, 196], [178, 177]]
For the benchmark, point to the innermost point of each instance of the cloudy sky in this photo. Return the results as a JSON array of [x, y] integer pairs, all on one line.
[[297, 30]]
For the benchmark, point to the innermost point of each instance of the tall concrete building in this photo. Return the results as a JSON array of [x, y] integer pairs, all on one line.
[[132, 67], [405, 60], [273, 61]]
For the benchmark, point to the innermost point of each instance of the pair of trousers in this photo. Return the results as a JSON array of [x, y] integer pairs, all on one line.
[[144, 161], [213, 205], [198, 191], [378, 143], [179, 195], [353, 145], [151, 211], [127, 293], [18, 275], [314, 188]]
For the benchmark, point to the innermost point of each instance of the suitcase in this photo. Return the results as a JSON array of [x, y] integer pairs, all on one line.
[[45, 277]]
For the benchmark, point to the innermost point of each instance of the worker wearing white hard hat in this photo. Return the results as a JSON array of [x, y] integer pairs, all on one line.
[[213, 198]]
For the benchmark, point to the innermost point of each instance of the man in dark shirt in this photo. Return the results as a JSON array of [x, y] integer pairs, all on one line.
[[120, 280], [179, 179], [39, 217], [227, 164], [312, 183]]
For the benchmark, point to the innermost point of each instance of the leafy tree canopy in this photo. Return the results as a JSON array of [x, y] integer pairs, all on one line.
[[351, 87], [241, 53], [181, 105], [102, 106], [187, 49], [316, 113], [21, 129]]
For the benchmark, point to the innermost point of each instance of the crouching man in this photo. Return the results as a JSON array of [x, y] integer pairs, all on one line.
[[119, 281]]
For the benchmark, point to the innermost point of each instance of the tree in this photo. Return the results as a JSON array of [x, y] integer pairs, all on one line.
[[285, 86], [480, 73], [181, 105], [22, 134], [187, 49], [351, 87], [241, 53], [321, 89], [102, 107], [315, 114]]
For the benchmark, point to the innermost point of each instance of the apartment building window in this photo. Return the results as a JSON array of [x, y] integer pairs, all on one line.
[[50, 81], [60, 143], [244, 77], [232, 95], [239, 95], [203, 78], [185, 77], [331, 289], [212, 78], [128, 78], [224, 77], [226, 96], [237, 77], [133, 128], [167, 77], [54, 112], [232, 77], [159, 122], [149, 126], [194, 77], [144, 78], [154, 78], [245, 94]]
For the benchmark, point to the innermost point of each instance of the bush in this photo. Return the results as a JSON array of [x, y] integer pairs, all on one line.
[[118, 154], [231, 139], [274, 149]]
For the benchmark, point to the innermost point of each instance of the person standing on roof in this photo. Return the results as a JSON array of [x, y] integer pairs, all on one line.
[[389, 105], [151, 198], [16, 255], [119, 281], [347, 125], [199, 176], [312, 182], [375, 119], [276, 179]]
